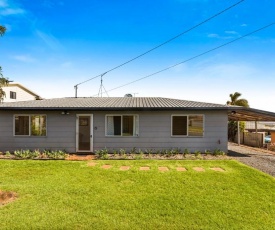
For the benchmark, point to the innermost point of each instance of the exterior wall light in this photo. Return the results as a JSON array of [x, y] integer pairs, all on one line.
[[65, 112]]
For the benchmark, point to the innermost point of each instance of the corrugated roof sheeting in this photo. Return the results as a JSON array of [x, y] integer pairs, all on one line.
[[235, 113], [110, 102]]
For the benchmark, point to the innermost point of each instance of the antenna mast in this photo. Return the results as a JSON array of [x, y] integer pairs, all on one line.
[[102, 86]]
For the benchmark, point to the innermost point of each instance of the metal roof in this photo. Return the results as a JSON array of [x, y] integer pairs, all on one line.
[[249, 114], [235, 113], [108, 103]]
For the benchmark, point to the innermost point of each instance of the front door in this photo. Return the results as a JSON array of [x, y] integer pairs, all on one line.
[[84, 133]]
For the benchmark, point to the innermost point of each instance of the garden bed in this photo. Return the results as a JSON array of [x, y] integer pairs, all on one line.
[[103, 154]]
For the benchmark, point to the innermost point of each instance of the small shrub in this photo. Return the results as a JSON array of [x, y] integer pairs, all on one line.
[[133, 150], [102, 153], [197, 153], [122, 153], [177, 151], [140, 152], [186, 152], [207, 152], [7, 153], [35, 154], [138, 156], [115, 152], [218, 152]]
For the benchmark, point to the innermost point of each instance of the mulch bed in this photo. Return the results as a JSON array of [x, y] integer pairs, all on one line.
[[7, 197]]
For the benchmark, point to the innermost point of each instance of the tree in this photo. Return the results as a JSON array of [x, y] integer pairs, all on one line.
[[2, 30], [235, 100], [233, 125], [3, 81]]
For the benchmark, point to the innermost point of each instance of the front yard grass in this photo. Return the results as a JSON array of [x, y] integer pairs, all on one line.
[[72, 195]]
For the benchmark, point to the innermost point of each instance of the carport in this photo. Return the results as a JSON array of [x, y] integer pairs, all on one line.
[[238, 113]]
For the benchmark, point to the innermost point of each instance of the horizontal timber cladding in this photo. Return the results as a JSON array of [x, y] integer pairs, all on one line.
[[154, 131], [60, 132]]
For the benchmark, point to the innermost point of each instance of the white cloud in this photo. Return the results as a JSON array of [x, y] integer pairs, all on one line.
[[48, 4], [243, 25], [49, 39], [7, 9], [24, 58], [230, 32], [11, 11], [228, 71], [213, 35], [219, 36], [66, 64], [3, 3]]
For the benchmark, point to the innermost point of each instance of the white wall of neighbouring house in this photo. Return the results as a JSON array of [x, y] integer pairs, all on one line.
[[21, 94]]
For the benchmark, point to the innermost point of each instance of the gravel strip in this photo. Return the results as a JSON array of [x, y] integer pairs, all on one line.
[[262, 160]]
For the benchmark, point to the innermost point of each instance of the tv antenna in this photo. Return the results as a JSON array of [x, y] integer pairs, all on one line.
[[102, 86]]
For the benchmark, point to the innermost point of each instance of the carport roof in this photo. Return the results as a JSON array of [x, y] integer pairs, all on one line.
[[236, 113]]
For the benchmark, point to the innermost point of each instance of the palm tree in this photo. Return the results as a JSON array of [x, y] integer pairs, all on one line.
[[2, 30], [3, 81], [233, 125], [236, 101]]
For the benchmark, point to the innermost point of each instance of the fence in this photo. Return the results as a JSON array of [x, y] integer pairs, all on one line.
[[271, 146], [251, 139]]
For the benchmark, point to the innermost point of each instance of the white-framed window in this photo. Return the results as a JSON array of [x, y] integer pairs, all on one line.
[[187, 125], [122, 125], [30, 125]]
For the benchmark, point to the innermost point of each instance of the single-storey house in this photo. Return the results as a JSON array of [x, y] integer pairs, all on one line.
[[89, 124]]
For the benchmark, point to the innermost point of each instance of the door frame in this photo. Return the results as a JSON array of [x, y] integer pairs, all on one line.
[[91, 132]]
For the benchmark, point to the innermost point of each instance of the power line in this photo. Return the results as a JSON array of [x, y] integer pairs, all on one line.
[[156, 47], [189, 59]]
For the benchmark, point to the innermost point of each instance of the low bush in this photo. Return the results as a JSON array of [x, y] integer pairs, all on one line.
[[37, 154]]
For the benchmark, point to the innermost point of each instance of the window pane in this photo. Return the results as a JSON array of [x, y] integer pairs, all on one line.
[[128, 125], [179, 125], [22, 125], [38, 125], [117, 125], [195, 126], [114, 125]]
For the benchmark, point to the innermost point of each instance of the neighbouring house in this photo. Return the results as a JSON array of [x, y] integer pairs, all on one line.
[[17, 92], [89, 124]]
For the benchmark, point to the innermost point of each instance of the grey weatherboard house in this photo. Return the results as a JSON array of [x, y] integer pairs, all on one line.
[[88, 124]]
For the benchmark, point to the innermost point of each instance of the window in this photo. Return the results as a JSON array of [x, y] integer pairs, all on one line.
[[121, 125], [187, 125], [12, 95], [30, 125]]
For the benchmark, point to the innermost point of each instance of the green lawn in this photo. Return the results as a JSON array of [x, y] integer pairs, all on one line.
[[71, 195]]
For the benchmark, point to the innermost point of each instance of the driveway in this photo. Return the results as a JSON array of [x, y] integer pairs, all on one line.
[[262, 160]]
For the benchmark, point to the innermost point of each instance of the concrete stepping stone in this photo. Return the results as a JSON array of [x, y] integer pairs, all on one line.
[[124, 168], [92, 164], [106, 166], [218, 169], [181, 169], [163, 169], [199, 169], [144, 168], [75, 157]]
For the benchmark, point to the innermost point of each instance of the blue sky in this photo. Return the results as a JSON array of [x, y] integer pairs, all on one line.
[[50, 46]]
